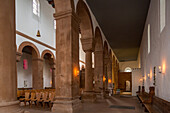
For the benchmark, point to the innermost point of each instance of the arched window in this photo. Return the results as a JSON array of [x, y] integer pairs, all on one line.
[[128, 69], [36, 7], [162, 14], [149, 38]]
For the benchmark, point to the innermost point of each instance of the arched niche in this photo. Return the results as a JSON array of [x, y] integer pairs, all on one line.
[[49, 69]]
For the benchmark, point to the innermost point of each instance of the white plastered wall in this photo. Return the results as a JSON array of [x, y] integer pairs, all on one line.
[[160, 50]]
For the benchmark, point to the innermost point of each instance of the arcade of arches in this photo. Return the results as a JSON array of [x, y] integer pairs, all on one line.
[[59, 45]]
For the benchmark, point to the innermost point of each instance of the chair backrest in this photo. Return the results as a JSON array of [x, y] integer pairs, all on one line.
[[32, 95], [22, 92], [18, 93], [27, 94], [51, 96], [44, 95], [38, 95]]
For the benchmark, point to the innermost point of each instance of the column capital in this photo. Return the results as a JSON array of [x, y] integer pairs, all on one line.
[[87, 43], [18, 56], [65, 14], [53, 65]]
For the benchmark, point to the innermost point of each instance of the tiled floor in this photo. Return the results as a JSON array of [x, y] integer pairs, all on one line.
[[103, 106]]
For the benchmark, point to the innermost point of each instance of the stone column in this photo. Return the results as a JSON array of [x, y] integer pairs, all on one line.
[[67, 62], [88, 95], [110, 74], [88, 72], [106, 71], [82, 80], [8, 77], [98, 71], [37, 73], [53, 78]]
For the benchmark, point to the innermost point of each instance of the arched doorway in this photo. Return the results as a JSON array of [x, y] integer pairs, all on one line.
[[128, 86]]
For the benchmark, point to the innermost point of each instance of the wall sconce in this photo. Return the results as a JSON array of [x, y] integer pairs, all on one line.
[[109, 81], [78, 73], [141, 80], [148, 75], [104, 79], [160, 69]]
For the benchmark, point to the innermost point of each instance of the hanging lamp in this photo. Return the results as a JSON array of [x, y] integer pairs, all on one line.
[[38, 33]]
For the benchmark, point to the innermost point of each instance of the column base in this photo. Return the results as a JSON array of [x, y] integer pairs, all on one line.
[[66, 105], [99, 93], [106, 93], [10, 107], [88, 96]]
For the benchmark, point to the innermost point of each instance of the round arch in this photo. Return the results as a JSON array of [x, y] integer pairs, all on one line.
[[128, 69], [24, 44], [105, 49], [86, 26], [98, 40], [49, 52], [110, 54]]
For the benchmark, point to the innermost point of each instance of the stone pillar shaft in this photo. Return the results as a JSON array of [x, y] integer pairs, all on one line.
[[8, 77], [88, 72], [67, 62], [37, 71], [98, 73], [109, 74], [53, 78]]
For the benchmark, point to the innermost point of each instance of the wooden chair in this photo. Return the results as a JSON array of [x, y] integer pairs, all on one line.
[[18, 94], [38, 98], [32, 99], [26, 99], [44, 98], [50, 100]]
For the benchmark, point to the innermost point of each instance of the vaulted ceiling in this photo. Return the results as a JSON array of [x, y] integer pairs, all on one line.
[[122, 22]]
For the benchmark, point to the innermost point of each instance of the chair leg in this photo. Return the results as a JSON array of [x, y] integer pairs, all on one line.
[[44, 105], [50, 105], [25, 103], [30, 104], [37, 104]]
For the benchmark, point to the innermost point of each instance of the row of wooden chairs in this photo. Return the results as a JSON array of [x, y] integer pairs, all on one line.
[[42, 96]]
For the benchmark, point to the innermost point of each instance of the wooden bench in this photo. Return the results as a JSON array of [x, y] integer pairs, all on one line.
[[158, 105]]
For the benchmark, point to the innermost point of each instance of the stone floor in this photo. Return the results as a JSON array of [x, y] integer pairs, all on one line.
[[121, 104]]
